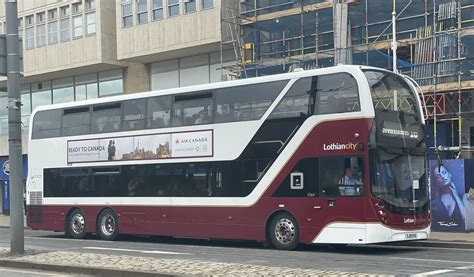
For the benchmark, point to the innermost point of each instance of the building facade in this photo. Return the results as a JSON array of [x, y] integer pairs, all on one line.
[[435, 47], [82, 49]]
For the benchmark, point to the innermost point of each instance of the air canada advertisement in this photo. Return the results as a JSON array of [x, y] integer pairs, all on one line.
[[144, 147]]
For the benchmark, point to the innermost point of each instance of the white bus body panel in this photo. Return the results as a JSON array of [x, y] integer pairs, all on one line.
[[365, 233]]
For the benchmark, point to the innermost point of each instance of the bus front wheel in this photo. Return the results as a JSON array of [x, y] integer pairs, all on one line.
[[284, 232], [76, 224], [107, 225]]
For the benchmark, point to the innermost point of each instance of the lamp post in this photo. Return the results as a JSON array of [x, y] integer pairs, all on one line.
[[394, 36], [17, 240]]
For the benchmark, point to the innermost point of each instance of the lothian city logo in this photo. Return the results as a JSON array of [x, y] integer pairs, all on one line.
[[339, 146]]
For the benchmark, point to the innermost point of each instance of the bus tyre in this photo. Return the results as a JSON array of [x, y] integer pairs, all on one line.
[[284, 232], [76, 224], [107, 225]]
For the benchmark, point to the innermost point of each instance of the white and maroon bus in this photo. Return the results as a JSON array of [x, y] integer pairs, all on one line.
[[333, 155]]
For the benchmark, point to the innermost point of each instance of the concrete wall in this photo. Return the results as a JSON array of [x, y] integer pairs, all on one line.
[[156, 38], [136, 78], [63, 58]]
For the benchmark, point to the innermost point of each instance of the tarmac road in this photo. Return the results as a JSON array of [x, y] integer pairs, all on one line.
[[373, 259]]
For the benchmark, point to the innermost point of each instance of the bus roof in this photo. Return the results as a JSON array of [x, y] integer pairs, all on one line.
[[203, 87]]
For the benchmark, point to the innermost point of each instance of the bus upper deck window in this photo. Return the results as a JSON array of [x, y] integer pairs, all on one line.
[[106, 118], [46, 124]]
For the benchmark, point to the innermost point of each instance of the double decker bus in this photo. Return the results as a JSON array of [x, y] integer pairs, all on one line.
[[333, 155]]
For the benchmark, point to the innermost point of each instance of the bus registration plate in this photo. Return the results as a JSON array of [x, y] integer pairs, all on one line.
[[411, 236]]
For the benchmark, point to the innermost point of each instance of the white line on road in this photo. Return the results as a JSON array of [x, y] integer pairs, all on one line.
[[4, 269], [137, 250], [429, 260], [469, 267], [88, 240], [434, 272]]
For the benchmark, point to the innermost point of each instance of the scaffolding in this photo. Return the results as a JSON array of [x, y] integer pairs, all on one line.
[[435, 48]]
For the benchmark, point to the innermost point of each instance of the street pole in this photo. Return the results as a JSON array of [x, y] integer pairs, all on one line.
[[17, 243], [394, 36]]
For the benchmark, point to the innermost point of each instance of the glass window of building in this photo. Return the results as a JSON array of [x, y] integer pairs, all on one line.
[[89, 5], [40, 30], [142, 11], [30, 32], [52, 27], [207, 4], [173, 8], [90, 23], [158, 10], [40, 94], [65, 35], [65, 11], [77, 7], [127, 16], [20, 28], [25, 100], [189, 6], [26, 107], [4, 126], [65, 24], [3, 103], [63, 90], [77, 26], [110, 82], [86, 86], [25, 123]]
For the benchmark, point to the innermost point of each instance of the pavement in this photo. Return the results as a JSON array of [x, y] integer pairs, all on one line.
[[127, 265]]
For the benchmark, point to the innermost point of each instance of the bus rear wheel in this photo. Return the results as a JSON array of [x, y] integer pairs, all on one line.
[[76, 224], [284, 232], [107, 225]]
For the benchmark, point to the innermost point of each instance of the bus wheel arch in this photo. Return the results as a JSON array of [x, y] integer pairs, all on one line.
[[107, 224], [282, 230], [75, 223]]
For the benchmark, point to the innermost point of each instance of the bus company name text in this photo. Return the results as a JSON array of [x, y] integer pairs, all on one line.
[[77, 149], [338, 146]]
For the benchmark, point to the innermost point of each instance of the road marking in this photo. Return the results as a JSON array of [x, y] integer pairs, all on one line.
[[434, 272], [465, 267], [429, 260], [413, 247], [43, 273], [137, 250], [71, 239]]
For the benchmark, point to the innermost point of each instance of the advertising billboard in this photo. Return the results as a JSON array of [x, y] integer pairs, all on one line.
[[142, 147], [448, 211]]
